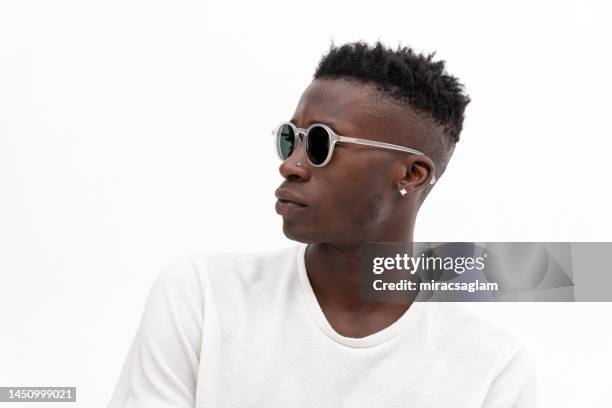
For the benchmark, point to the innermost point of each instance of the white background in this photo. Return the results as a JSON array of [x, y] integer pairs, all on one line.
[[133, 133]]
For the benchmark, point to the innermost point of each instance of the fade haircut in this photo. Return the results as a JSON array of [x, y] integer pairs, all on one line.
[[413, 80]]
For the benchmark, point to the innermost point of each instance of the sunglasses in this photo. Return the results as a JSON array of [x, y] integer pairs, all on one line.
[[319, 141]]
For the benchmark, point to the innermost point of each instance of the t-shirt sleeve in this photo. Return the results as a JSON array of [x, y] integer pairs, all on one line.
[[161, 367], [515, 385]]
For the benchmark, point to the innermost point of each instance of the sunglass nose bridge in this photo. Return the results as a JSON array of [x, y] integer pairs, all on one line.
[[301, 134]]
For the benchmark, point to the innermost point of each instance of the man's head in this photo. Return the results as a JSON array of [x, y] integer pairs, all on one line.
[[392, 96]]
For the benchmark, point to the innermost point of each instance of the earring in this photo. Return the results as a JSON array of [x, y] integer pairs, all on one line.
[[403, 192]]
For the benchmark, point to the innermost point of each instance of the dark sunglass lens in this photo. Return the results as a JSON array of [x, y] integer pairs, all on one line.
[[286, 141], [318, 145]]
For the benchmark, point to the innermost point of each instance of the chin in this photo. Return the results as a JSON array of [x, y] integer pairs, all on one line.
[[302, 233]]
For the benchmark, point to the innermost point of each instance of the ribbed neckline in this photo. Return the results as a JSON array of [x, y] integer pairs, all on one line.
[[409, 318]]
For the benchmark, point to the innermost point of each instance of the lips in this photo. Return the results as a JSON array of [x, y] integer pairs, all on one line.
[[283, 195], [288, 202]]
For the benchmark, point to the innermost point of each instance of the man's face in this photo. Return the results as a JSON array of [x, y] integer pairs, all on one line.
[[355, 196]]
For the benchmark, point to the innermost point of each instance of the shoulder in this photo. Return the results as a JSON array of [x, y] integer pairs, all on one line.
[[204, 267], [456, 320], [467, 335], [203, 261], [231, 259], [189, 280]]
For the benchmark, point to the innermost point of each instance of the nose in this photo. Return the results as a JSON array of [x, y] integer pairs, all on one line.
[[289, 168]]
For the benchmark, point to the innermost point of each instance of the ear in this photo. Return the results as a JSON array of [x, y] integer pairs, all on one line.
[[419, 172]]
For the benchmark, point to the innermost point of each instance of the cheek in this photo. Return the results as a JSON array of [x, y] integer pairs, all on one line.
[[355, 204], [353, 192]]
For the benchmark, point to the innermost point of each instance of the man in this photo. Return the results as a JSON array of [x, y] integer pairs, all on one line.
[[368, 138]]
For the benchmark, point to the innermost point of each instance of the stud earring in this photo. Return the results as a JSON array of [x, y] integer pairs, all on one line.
[[403, 192]]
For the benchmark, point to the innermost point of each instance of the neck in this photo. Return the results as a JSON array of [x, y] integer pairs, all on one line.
[[333, 271]]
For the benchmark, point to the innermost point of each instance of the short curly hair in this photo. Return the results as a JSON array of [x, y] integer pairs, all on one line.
[[408, 77]]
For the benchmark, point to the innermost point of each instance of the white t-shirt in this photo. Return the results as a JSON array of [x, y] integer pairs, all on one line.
[[246, 330]]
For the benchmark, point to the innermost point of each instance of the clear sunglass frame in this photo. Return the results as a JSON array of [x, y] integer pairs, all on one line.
[[333, 139]]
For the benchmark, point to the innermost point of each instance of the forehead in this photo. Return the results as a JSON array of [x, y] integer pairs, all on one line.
[[355, 109]]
